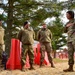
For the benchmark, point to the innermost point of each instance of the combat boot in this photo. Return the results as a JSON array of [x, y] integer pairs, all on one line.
[[52, 65], [70, 69], [23, 69], [31, 67], [41, 64]]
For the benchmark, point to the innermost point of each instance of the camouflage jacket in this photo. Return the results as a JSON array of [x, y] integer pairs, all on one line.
[[1, 35], [26, 36], [44, 35], [70, 30]]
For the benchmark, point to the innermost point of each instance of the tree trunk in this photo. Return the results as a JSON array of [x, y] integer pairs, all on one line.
[[9, 27]]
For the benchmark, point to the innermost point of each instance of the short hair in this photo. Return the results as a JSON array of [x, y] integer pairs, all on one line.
[[71, 13], [25, 23], [0, 20]]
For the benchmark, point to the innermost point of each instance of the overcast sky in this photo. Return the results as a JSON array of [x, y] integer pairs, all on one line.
[[62, 0]]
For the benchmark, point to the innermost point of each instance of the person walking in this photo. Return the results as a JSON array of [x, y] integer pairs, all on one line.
[[44, 36], [70, 30], [26, 36]]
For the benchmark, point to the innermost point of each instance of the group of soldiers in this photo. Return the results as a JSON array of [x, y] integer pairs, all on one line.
[[44, 36], [27, 36]]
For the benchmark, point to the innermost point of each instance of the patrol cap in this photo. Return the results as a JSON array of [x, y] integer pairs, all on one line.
[[43, 23]]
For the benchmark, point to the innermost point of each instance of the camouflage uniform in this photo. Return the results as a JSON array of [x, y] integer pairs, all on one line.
[[44, 37], [1, 40], [71, 41], [26, 36]]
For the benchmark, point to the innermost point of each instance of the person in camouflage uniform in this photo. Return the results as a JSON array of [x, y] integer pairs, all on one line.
[[70, 30], [44, 36], [26, 36], [1, 40]]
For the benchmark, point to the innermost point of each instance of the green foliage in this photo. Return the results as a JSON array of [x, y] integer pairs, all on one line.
[[57, 30], [35, 11]]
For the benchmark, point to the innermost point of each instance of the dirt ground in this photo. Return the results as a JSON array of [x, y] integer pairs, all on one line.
[[46, 70]]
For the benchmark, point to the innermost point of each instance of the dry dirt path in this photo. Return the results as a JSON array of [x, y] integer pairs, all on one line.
[[46, 70]]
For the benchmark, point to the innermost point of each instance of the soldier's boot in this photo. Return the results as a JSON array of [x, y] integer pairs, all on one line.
[[70, 69], [31, 67], [23, 68], [52, 65], [40, 64]]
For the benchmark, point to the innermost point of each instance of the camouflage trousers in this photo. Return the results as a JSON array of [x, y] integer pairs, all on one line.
[[1, 49], [45, 47], [71, 49], [27, 50]]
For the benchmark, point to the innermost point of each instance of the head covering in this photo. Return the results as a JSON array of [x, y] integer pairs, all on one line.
[[43, 23], [25, 23]]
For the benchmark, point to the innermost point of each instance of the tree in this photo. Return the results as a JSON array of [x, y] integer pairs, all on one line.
[[34, 11], [58, 39], [9, 25]]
